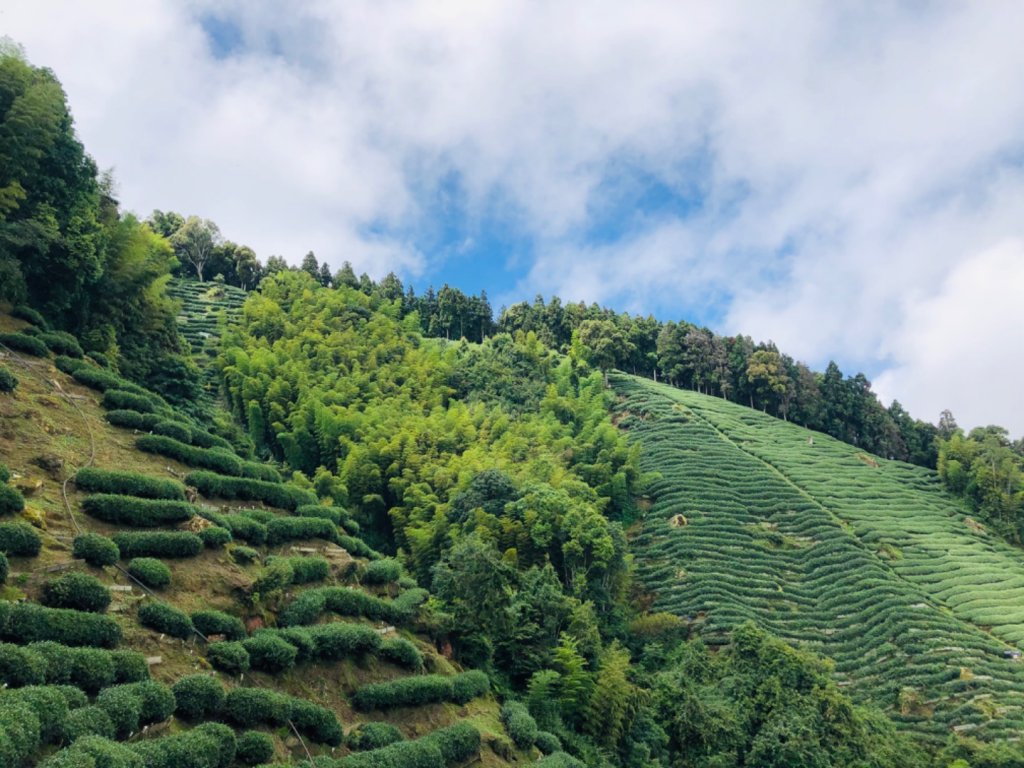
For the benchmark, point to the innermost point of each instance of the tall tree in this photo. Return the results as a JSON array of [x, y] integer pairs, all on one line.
[[195, 242]]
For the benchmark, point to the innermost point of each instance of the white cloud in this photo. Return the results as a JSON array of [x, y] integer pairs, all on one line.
[[849, 158]]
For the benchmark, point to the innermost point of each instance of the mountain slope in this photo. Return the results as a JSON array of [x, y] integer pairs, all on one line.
[[861, 559]]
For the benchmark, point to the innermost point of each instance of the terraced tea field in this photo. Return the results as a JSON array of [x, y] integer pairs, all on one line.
[[864, 560]]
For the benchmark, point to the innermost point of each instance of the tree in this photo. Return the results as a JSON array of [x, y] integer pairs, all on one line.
[[767, 375], [601, 344], [195, 242], [247, 267], [311, 266]]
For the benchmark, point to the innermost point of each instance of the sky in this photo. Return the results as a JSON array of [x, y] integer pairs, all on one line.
[[844, 179]]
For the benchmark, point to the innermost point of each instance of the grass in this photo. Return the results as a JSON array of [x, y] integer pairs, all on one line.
[[861, 559]]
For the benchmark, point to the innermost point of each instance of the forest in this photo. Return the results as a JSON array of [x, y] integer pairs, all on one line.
[[474, 472]]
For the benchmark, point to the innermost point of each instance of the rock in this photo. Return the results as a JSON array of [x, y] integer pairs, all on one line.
[[27, 485], [35, 517], [50, 464]]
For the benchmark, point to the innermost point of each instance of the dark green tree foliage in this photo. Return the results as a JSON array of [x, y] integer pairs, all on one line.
[[19, 539], [29, 623], [198, 697], [5, 568], [129, 510], [76, 590], [128, 484], [95, 549], [149, 544], [150, 571], [166, 619], [254, 748]]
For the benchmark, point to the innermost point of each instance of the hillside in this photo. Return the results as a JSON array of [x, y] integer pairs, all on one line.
[[863, 560], [227, 580]]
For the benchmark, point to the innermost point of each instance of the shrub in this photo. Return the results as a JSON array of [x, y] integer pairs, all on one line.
[[248, 489], [218, 623], [254, 748], [277, 574], [318, 723], [215, 537], [122, 400], [247, 707], [262, 516], [402, 754], [199, 697], [100, 359], [94, 751], [21, 666], [87, 668], [547, 742], [337, 515], [404, 692], [402, 652], [204, 439], [95, 549], [19, 539], [76, 590], [144, 513], [560, 760], [457, 742], [469, 685], [384, 571], [68, 364], [341, 640], [306, 570], [62, 343], [356, 547], [8, 381], [129, 666], [5, 568], [246, 529], [244, 555], [344, 601], [87, 721], [166, 619], [124, 708], [102, 380], [230, 657], [11, 501], [282, 529], [215, 459], [128, 484], [5, 473], [150, 571], [270, 653], [158, 701], [150, 544], [372, 736], [174, 430], [28, 623], [23, 343], [404, 606], [73, 696], [21, 730], [133, 419], [210, 745], [26, 313], [521, 726]]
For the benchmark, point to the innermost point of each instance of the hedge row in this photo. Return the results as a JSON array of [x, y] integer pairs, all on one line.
[[217, 459], [122, 400], [345, 601], [20, 342], [422, 689], [357, 547], [157, 544], [102, 380], [284, 529], [11, 500], [248, 707], [29, 623], [133, 705], [52, 663], [143, 513], [26, 313], [216, 537], [210, 745], [22, 730], [160, 424], [76, 590], [444, 747], [95, 549], [246, 529], [247, 489], [128, 484], [305, 570], [254, 747], [228, 656], [199, 697], [384, 571], [152, 572], [270, 653], [87, 721], [19, 539], [337, 515], [327, 642], [62, 343], [519, 724], [166, 619], [93, 751], [372, 736], [218, 623], [402, 652]]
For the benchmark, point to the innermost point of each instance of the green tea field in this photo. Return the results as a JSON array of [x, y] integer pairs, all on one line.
[[861, 559]]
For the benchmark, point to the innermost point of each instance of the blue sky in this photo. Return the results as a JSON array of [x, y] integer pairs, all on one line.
[[842, 179]]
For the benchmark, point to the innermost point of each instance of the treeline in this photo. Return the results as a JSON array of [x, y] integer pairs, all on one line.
[[68, 251], [986, 469]]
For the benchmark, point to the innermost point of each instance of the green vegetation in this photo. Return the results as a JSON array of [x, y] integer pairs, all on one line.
[[151, 572], [76, 590], [164, 618], [128, 484], [150, 544], [8, 381], [19, 540], [95, 549], [130, 510]]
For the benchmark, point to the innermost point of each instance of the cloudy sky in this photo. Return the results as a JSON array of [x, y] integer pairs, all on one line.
[[846, 182]]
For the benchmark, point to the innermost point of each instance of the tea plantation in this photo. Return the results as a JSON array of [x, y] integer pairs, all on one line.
[[860, 559]]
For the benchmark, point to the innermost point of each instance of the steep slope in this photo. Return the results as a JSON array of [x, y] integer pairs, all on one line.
[[861, 559], [360, 625]]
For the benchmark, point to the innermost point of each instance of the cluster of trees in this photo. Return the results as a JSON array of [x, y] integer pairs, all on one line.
[[732, 367], [65, 247], [986, 469]]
